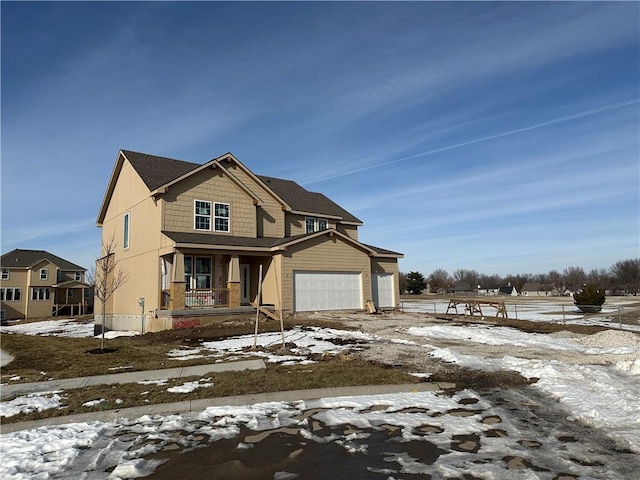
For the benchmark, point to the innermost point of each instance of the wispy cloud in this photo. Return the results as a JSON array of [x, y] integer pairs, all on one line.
[[486, 138]]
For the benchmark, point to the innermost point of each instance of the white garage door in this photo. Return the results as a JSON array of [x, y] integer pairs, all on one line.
[[326, 291], [382, 289]]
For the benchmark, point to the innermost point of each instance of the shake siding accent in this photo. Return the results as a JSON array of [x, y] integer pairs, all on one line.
[[324, 254], [213, 186], [271, 223]]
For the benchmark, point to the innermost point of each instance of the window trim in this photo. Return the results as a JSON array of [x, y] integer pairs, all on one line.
[[5, 274], [77, 276], [196, 215], [326, 224], [44, 274], [126, 230]]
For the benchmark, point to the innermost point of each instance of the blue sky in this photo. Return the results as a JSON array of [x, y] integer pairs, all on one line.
[[500, 137]]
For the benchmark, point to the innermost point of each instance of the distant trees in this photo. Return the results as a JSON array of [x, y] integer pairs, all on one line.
[[415, 283], [402, 280], [470, 277], [623, 277], [438, 279], [574, 278], [627, 274]]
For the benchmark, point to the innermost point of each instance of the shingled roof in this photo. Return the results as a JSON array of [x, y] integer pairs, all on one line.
[[157, 171], [26, 258], [302, 200]]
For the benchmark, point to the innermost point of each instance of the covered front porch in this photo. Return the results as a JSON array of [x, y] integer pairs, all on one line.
[[201, 279]]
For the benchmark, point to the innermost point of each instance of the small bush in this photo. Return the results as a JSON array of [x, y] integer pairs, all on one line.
[[589, 299]]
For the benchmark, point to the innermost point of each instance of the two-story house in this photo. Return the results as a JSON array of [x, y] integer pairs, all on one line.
[[36, 283], [195, 237]]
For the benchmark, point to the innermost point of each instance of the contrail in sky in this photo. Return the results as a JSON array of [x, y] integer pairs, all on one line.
[[554, 121]]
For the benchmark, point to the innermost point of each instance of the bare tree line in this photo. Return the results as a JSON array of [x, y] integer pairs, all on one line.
[[623, 277]]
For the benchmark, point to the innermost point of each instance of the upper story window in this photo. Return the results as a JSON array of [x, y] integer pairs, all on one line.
[[203, 215], [222, 217], [312, 224], [5, 274], [44, 274], [309, 224], [58, 275], [78, 276], [125, 230]]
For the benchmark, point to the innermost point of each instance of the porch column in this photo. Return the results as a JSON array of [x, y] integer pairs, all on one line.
[[177, 288], [233, 282]]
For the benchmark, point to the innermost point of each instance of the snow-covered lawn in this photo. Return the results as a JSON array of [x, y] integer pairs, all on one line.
[[603, 397]]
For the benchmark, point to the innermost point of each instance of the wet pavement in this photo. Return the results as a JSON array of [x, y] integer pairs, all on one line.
[[521, 434]]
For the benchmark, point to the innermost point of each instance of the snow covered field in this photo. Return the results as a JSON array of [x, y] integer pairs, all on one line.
[[538, 310], [580, 419]]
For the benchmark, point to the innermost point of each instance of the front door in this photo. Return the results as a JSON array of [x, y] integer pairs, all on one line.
[[245, 284]]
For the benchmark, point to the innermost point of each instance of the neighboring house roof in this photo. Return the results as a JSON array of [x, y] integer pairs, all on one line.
[[531, 287], [156, 172], [19, 258], [509, 290]]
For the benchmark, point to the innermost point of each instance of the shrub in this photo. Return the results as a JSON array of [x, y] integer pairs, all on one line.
[[589, 299]]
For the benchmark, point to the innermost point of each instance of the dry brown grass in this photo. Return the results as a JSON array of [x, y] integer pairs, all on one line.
[[39, 358], [339, 371]]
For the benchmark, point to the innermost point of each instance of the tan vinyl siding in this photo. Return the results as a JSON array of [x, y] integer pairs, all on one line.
[[324, 254], [140, 261], [350, 230], [15, 309], [270, 217], [213, 186]]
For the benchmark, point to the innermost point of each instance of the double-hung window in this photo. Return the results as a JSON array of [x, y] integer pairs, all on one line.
[[78, 276], [312, 224], [125, 230], [222, 217], [205, 216], [202, 215], [309, 224], [44, 274], [5, 274]]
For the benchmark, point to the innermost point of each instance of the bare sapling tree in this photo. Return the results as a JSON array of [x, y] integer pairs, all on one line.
[[106, 276]]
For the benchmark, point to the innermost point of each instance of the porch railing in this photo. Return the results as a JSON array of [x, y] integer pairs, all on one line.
[[207, 297], [72, 308]]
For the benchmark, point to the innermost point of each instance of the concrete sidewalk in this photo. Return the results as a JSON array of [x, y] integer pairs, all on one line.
[[127, 377], [177, 408]]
